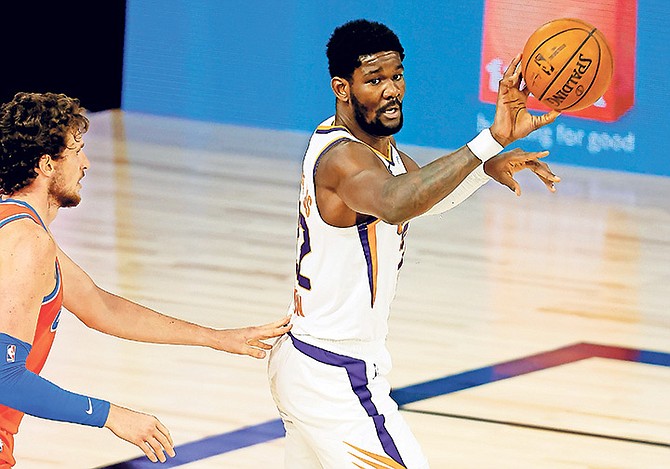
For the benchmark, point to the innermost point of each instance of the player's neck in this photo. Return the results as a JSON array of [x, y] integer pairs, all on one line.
[[381, 144], [40, 201]]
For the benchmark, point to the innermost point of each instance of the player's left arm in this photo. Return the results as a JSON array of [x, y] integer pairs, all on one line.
[[120, 317]]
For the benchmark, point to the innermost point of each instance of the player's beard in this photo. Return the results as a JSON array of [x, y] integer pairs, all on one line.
[[376, 127], [62, 196]]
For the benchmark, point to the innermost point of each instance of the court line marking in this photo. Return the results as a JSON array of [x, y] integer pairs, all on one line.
[[531, 426], [273, 429]]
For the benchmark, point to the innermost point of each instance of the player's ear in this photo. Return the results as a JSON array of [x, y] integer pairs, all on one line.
[[45, 165], [341, 88]]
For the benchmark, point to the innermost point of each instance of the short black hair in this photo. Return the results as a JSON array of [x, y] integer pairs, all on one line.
[[33, 125], [357, 38]]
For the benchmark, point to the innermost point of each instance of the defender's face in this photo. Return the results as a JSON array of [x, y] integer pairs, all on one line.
[[70, 168], [377, 91]]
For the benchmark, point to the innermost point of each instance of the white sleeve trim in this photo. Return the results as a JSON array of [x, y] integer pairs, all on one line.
[[465, 189], [484, 146]]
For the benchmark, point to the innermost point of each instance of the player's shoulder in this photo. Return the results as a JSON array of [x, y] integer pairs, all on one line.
[[349, 155], [24, 237]]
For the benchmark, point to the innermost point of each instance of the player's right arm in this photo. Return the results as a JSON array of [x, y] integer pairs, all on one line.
[[27, 269], [27, 274], [351, 180]]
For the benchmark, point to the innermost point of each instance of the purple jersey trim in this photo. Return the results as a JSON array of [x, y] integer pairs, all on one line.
[[363, 234]]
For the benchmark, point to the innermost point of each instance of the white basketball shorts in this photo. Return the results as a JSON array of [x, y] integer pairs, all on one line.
[[337, 410]]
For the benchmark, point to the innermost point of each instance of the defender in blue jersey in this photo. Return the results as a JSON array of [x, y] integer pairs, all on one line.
[[358, 193]]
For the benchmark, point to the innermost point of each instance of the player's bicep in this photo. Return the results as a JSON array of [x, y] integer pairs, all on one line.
[[358, 178], [81, 296], [363, 192]]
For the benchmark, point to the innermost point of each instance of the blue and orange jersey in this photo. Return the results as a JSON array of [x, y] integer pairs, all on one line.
[[47, 321]]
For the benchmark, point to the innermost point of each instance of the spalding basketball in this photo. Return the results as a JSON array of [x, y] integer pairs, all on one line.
[[567, 64]]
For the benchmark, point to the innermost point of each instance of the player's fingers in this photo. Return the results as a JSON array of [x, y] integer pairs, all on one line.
[[279, 322], [254, 352], [271, 334], [549, 180], [512, 67], [165, 439], [259, 343], [506, 179], [156, 448], [264, 346], [276, 331], [550, 185], [547, 118], [146, 448], [542, 169], [521, 156]]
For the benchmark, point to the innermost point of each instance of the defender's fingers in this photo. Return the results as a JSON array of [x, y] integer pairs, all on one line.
[[165, 434], [254, 352], [165, 439], [146, 448], [279, 322], [273, 332], [260, 344], [157, 449]]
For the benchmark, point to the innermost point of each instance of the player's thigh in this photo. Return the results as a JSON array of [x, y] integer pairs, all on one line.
[[298, 451], [384, 441], [342, 417]]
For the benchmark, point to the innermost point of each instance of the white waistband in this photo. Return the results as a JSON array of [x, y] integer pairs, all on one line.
[[350, 347]]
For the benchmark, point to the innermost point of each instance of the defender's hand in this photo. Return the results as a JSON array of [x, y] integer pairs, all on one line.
[[249, 340], [143, 430]]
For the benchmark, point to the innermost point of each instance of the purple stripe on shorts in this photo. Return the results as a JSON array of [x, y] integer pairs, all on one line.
[[359, 384]]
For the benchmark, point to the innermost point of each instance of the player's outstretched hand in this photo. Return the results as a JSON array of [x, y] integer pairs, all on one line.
[[249, 340], [512, 120], [503, 166], [143, 430]]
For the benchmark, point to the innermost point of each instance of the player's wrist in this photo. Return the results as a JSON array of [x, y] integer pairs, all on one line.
[[484, 146]]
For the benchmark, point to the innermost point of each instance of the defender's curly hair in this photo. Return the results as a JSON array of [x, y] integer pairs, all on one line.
[[358, 38], [33, 125]]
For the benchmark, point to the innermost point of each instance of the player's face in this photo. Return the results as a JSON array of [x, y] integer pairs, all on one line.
[[377, 91], [70, 167]]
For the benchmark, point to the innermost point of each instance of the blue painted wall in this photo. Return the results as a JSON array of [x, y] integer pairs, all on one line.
[[263, 64]]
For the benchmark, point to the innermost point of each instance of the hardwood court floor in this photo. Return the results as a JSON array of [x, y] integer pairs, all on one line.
[[199, 220]]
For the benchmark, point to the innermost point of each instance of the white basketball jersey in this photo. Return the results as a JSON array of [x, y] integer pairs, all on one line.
[[345, 277]]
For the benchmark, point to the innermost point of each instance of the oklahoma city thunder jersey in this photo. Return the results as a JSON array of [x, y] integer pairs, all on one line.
[[345, 277], [47, 321]]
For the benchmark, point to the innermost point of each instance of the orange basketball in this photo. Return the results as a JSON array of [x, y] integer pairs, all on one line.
[[567, 64]]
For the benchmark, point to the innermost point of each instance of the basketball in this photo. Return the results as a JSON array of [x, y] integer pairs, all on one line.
[[567, 64]]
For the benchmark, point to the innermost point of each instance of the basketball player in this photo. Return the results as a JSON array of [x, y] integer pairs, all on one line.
[[41, 165], [358, 192]]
